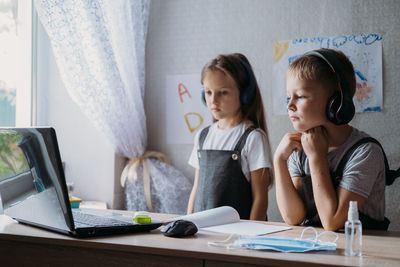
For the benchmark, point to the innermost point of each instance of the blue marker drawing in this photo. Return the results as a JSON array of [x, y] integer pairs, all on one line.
[[362, 77], [372, 109]]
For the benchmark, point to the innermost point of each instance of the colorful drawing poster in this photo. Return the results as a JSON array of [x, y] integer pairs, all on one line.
[[185, 113], [364, 51]]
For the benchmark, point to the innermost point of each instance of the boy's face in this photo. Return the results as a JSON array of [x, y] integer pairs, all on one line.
[[307, 102]]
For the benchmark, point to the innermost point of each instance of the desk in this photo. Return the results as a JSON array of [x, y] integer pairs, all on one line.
[[22, 245]]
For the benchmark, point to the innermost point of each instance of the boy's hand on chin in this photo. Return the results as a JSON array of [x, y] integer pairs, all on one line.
[[289, 143], [315, 142]]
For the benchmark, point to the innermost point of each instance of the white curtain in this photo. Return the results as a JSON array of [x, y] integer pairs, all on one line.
[[99, 47]]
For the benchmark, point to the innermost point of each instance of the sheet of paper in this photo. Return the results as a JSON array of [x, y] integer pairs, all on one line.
[[226, 220], [185, 112], [246, 228], [217, 216], [365, 52]]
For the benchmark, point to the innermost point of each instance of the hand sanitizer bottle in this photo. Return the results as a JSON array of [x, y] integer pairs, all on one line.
[[353, 232]]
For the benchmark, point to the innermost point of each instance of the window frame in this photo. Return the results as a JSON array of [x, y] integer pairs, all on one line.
[[25, 113]]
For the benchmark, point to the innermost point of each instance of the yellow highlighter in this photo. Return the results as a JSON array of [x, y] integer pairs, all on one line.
[[142, 219]]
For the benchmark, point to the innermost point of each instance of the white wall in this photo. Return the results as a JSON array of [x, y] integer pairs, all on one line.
[[89, 157], [185, 34]]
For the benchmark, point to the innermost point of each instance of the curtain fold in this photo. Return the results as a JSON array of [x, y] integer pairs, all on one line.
[[99, 47]]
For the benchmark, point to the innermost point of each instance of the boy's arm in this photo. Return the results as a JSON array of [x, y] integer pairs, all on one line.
[[260, 180], [288, 197], [192, 197], [332, 205], [288, 191]]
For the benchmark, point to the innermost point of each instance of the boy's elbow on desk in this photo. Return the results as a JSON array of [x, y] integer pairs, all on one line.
[[293, 221], [331, 225], [331, 228], [326, 226]]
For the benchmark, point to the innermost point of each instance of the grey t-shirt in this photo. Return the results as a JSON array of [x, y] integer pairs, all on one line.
[[363, 174]]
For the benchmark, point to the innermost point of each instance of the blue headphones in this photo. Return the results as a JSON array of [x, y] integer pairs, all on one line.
[[247, 95], [340, 108]]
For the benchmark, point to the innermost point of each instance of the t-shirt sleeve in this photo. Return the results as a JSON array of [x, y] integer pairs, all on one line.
[[294, 164], [193, 159], [257, 150], [363, 169]]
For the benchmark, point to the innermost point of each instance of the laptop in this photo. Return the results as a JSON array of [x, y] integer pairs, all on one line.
[[33, 189]]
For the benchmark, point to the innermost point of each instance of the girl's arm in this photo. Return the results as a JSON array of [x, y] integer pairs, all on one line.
[[192, 197], [290, 203], [260, 180]]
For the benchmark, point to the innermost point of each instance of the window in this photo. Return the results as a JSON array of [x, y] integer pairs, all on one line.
[[16, 62]]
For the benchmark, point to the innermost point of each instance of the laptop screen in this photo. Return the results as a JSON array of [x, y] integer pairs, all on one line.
[[32, 182]]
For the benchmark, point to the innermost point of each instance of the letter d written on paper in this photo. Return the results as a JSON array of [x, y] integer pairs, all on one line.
[[185, 112]]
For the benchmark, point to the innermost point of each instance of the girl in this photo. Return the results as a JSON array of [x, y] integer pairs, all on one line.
[[231, 156]]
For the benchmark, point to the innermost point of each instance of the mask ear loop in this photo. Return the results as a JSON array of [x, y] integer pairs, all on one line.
[[227, 243], [309, 228], [329, 232], [317, 236], [315, 239]]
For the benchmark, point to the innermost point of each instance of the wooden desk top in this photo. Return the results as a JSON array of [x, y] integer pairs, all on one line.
[[379, 248]]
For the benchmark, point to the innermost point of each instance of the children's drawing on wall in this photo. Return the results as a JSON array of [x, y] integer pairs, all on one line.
[[365, 52], [185, 113]]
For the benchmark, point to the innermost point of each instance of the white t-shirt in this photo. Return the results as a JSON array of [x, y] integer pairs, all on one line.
[[255, 153]]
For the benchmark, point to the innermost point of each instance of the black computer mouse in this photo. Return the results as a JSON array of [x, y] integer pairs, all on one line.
[[179, 228]]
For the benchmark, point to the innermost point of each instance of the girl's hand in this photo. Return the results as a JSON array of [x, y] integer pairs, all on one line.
[[315, 142], [289, 143]]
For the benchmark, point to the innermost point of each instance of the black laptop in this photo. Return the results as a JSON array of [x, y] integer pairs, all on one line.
[[33, 189]]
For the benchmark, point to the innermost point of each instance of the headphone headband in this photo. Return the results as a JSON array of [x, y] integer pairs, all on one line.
[[249, 93], [340, 108], [334, 64]]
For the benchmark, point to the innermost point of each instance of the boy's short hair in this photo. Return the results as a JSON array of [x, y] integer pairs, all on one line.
[[312, 68]]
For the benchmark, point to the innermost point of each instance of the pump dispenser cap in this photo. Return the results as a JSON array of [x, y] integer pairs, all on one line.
[[352, 215]]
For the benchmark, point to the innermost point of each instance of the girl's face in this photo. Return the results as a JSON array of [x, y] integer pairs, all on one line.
[[222, 96], [307, 102]]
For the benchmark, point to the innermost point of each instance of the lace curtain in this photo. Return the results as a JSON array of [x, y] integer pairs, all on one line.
[[99, 48]]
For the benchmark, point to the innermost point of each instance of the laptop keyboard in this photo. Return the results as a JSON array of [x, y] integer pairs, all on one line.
[[84, 219]]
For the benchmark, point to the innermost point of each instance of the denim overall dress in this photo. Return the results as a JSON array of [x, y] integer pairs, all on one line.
[[221, 179]]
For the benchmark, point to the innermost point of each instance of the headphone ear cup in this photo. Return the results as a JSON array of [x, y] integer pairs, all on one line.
[[248, 95], [340, 113], [347, 111], [203, 97], [332, 107]]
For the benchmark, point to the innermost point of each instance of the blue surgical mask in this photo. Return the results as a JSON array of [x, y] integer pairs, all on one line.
[[281, 244]]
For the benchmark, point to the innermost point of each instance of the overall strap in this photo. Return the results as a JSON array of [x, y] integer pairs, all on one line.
[[203, 136], [391, 175], [302, 162], [242, 141]]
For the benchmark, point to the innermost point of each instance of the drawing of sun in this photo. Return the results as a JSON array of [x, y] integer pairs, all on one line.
[[280, 49]]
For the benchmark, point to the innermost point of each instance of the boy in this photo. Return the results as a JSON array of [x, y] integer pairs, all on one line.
[[320, 86]]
